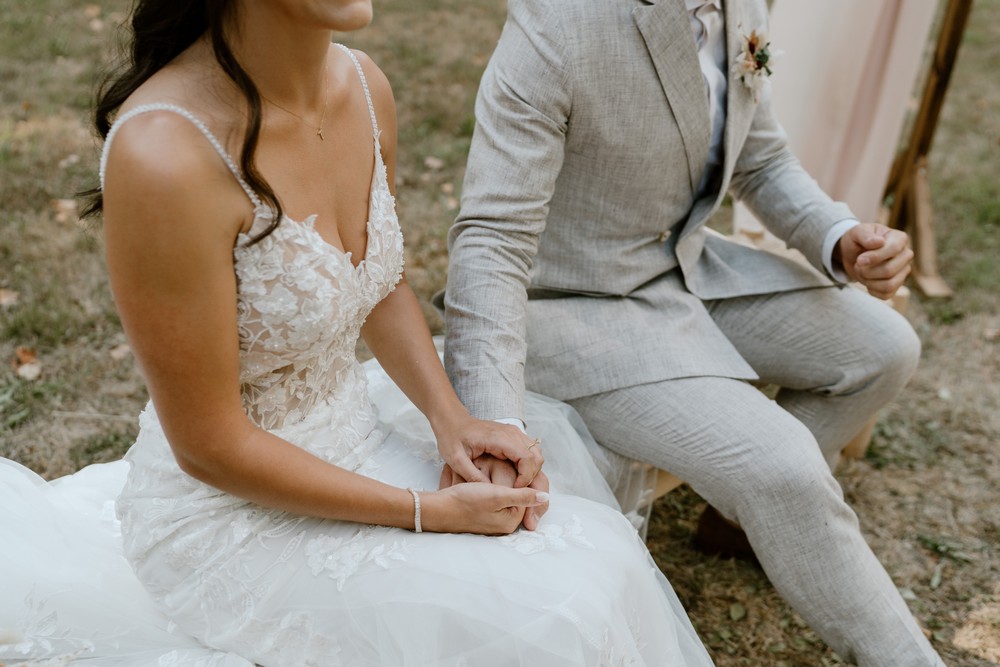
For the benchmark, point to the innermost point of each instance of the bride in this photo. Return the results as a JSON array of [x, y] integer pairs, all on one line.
[[265, 515]]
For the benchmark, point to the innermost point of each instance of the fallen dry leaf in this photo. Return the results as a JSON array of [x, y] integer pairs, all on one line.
[[25, 355], [65, 209], [433, 163], [30, 371], [69, 160], [26, 363], [981, 633], [119, 352], [9, 297]]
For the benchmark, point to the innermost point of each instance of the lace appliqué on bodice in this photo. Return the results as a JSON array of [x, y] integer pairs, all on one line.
[[301, 304], [301, 301]]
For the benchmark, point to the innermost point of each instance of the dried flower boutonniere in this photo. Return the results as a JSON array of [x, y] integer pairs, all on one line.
[[753, 64]]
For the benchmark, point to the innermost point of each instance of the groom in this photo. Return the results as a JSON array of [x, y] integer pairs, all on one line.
[[608, 132]]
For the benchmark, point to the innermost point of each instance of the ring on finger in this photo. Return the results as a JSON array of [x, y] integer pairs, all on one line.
[[535, 443]]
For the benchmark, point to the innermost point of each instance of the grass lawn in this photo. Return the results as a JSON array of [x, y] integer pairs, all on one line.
[[926, 493]]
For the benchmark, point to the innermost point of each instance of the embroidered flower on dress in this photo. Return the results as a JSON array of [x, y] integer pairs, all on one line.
[[341, 558], [548, 536], [40, 636], [294, 639], [753, 63], [610, 656]]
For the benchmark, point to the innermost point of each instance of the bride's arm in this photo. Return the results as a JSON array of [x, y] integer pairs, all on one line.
[[397, 334], [172, 213]]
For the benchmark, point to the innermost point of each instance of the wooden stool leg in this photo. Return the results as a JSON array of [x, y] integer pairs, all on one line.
[[665, 483], [925, 270], [858, 445]]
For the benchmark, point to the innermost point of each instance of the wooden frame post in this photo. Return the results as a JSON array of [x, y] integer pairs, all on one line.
[[909, 185]]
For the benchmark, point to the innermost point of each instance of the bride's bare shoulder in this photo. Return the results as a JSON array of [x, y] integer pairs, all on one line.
[[165, 145], [193, 84]]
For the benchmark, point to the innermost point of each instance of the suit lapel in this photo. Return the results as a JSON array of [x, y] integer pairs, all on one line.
[[740, 109], [666, 31], [740, 106]]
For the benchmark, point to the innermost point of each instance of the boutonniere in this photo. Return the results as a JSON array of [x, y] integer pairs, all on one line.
[[753, 64]]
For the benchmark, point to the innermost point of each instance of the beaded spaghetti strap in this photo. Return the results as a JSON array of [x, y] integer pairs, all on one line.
[[364, 84], [181, 111]]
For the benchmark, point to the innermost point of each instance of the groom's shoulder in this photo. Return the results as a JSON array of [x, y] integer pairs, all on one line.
[[575, 20], [570, 10]]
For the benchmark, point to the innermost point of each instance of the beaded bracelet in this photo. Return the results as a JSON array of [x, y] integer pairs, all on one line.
[[416, 511]]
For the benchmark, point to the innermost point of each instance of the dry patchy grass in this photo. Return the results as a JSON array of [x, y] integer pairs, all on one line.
[[926, 493]]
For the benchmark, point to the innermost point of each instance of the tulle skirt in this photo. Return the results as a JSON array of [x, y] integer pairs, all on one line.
[[581, 590]]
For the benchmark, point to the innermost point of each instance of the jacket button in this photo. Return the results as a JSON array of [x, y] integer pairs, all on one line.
[[664, 236]]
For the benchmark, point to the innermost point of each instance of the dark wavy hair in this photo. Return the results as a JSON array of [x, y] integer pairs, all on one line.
[[161, 30]]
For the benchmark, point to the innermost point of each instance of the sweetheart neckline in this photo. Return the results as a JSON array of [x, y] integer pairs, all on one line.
[[309, 222]]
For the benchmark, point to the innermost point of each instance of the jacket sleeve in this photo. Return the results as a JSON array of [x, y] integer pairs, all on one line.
[[522, 111], [772, 183]]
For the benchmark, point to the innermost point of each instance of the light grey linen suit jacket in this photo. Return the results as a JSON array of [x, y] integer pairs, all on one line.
[[579, 262]]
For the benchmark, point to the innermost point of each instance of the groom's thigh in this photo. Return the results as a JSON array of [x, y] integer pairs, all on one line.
[[829, 340], [735, 447]]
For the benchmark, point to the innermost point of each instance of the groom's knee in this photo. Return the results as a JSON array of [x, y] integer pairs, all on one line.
[[890, 355], [902, 354], [786, 473]]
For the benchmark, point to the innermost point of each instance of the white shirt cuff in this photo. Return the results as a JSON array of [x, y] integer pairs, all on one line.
[[513, 421], [830, 242]]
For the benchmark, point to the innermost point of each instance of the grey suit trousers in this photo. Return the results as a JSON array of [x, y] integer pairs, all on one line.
[[839, 356]]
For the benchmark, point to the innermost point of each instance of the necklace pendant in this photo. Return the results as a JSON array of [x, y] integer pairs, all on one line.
[[319, 133]]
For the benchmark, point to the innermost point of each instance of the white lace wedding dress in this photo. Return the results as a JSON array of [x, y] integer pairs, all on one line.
[[180, 573]]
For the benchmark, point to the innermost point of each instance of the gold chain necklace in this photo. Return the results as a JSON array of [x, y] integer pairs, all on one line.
[[326, 103]]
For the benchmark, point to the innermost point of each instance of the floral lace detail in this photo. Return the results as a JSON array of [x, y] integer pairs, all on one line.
[[340, 558], [294, 639], [40, 635], [301, 305], [611, 652], [613, 655], [550, 536]]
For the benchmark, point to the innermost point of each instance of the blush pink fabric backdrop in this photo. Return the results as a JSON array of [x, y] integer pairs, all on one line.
[[842, 90]]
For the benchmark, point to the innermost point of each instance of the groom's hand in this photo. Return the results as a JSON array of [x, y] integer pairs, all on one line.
[[875, 256], [467, 439]]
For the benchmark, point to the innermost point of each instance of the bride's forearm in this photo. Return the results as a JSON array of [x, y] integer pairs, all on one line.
[[397, 334], [263, 468]]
